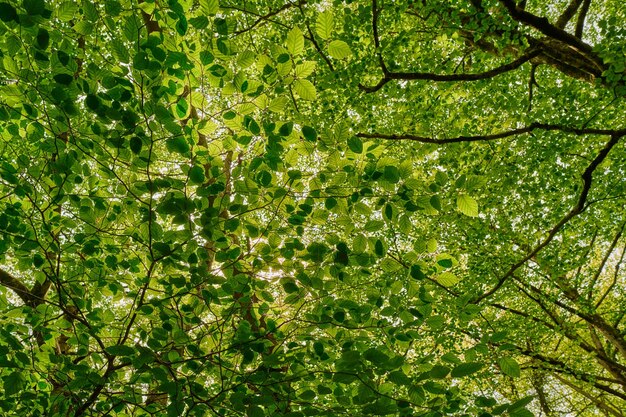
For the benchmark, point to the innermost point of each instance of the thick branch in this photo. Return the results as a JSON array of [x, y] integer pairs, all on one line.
[[16, 285], [544, 26], [495, 136]]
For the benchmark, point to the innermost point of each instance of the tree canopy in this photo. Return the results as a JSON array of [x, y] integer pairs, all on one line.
[[312, 208]]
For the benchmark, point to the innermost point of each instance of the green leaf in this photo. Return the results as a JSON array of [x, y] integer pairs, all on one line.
[[305, 89], [339, 49], [43, 38], [324, 24], [373, 225], [181, 25], [120, 350], [178, 145], [136, 144], [521, 412], [445, 263], [182, 107], [439, 371], [285, 129], [417, 394], [447, 279], [467, 205], [435, 202], [196, 175], [209, 7], [405, 224], [255, 411], [466, 369], [509, 367], [8, 13], [264, 178], [305, 69], [64, 79], [307, 395], [375, 356], [14, 383], [34, 7], [521, 403], [391, 174], [278, 104], [295, 42], [441, 178], [355, 144], [416, 273], [84, 27], [309, 133]]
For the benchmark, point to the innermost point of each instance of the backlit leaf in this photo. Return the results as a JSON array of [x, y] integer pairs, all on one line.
[[467, 205], [509, 367], [339, 49], [305, 89], [295, 41], [324, 24]]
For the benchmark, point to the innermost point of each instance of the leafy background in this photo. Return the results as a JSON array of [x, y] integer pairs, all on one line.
[[312, 208]]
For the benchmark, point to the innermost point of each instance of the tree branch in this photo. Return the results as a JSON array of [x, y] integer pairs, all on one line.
[[314, 42], [16, 285], [495, 136], [531, 83], [264, 17], [410, 76], [568, 13], [596, 400], [580, 22], [544, 26]]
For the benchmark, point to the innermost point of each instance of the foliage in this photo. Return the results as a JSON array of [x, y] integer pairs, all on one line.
[[296, 208]]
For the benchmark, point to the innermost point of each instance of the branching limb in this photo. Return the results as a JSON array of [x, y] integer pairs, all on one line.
[[613, 282], [544, 26], [270, 14], [577, 209], [599, 270], [538, 383], [428, 76], [595, 399]]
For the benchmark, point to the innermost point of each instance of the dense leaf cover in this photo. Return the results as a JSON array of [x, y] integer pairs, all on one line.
[[312, 208]]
